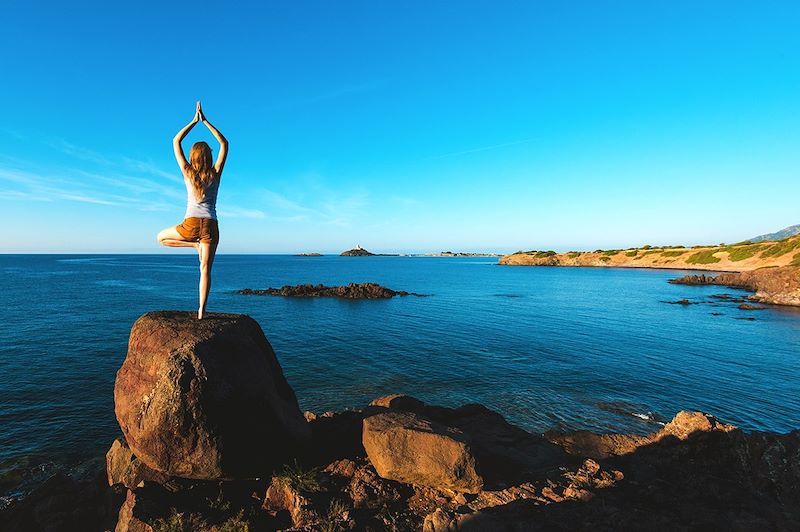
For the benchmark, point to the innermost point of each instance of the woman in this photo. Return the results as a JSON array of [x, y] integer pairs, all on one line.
[[199, 228]]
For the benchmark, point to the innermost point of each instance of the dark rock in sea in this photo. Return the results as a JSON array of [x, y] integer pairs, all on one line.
[[680, 302], [747, 306], [777, 286], [357, 251], [350, 291], [206, 399]]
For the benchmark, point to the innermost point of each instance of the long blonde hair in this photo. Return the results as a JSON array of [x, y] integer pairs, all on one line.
[[200, 168]]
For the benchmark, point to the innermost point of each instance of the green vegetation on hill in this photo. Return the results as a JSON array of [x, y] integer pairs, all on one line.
[[795, 260], [673, 253], [781, 248], [740, 252], [574, 254], [704, 257]]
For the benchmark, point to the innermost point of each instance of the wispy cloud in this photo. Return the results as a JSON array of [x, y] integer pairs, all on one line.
[[238, 212], [103, 180], [313, 202]]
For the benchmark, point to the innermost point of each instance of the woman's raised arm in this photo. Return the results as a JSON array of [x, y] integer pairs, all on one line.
[[223, 142], [176, 142]]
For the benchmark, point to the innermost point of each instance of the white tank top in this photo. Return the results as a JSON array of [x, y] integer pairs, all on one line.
[[205, 208]]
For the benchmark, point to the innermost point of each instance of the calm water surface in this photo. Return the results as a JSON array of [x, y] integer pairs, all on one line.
[[548, 347]]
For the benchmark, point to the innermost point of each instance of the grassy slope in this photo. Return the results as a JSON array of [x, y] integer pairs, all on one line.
[[743, 256]]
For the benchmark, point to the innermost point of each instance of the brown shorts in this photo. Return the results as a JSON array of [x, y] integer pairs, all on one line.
[[203, 230]]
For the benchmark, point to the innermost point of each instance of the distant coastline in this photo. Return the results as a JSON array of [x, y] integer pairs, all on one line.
[[741, 257]]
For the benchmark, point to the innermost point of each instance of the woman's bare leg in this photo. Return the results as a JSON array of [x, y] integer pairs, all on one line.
[[206, 252], [172, 238]]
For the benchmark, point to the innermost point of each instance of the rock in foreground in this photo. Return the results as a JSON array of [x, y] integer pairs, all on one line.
[[409, 448], [206, 399], [350, 291]]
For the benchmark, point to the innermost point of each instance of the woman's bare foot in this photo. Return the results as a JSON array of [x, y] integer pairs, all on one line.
[[200, 314]]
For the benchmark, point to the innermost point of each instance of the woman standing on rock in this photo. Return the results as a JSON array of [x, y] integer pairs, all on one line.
[[199, 228]]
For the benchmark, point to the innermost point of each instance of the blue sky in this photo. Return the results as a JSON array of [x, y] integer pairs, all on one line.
[[403, 126]]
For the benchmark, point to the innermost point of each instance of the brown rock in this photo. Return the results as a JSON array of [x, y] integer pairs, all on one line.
[[591, 466], [550, 494], [206, 399], [439, 521], [282, 496], [409, 448], [368, 490], [585, 443], [127, 520], [122, 467], [686, 423], [398, 401]]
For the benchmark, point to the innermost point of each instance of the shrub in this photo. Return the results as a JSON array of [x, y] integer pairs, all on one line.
[[574, 254], [300, 479], [631, 253], [673, 253], [795, 260], [605, 259], [237, 523]]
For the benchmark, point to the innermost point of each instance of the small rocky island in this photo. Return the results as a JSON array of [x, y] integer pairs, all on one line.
[[349, 291], [213, 439], [357, 251]]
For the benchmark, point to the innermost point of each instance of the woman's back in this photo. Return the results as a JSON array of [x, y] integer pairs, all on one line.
[[205, 207]]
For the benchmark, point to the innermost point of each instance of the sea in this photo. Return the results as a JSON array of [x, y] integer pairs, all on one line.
[[603, 349]]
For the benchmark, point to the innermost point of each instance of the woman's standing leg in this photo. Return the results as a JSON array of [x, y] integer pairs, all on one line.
[[206, 250]]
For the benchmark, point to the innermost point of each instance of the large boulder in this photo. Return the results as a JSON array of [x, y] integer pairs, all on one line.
[[410, 448], [206, 399]]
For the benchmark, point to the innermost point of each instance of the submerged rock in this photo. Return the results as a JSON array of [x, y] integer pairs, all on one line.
[[206, 399]]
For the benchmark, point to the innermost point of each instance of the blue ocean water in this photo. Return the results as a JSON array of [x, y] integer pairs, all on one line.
[[570, 348]]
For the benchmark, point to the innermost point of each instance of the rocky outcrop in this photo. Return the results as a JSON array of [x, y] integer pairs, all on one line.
[[777, 286], [598, 446], [398, 463], [206, 399], [349, 291]]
